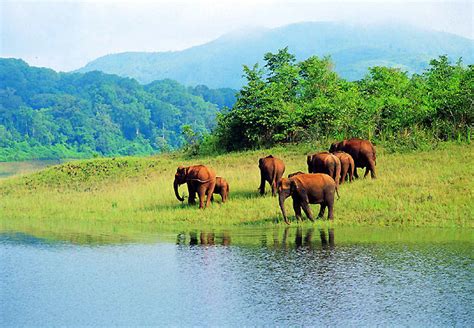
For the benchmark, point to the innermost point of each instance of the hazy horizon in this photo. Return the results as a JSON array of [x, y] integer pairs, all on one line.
[[66, 35]]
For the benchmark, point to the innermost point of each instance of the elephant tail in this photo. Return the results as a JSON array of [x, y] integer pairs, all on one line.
[[274, 176], [337, 192]]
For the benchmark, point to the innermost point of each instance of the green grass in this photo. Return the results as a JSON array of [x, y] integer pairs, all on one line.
[[429, 189]]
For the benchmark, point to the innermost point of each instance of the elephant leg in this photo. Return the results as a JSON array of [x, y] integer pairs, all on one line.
[[209, 190], [322, 210], [212, 198], [192, 194], [343, 176], [329, 202], [274, 188], [202, 194], [262, 185], [223, 197], [192, 197], [331, 210], [372, 169], [307, 210], [297, 208]]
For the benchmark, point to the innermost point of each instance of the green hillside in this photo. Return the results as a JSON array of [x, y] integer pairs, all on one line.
[[353, 49], [45, 114]]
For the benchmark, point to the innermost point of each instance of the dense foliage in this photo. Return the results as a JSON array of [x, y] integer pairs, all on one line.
[[44, 114], [222, 97], [288, 101]]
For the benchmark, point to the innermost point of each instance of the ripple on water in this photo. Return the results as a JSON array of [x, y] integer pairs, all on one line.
[[302, 277]]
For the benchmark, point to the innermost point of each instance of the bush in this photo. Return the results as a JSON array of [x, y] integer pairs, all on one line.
[[286, 102]]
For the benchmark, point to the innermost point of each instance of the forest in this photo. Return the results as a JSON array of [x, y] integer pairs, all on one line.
[[45, 114], [285, 101]]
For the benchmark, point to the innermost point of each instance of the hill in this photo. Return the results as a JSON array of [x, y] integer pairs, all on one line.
[[353, 49], [45, 114]]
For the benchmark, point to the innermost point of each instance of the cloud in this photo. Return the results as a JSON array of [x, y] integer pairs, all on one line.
[[65, 35]]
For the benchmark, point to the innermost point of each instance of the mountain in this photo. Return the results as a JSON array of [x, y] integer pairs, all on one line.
[[45, 114], [353, 49]]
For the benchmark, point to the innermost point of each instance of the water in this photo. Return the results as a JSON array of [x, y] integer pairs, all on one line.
[[9, 169], [285, 277]]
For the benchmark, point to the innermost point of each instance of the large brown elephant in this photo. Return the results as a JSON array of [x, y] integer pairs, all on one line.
[[347, 165], [271, 170], [362, 151], [325, 162], [221, 188], [305, 189], [200, 179]]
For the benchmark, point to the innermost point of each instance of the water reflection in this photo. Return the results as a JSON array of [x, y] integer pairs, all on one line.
[[303, 238], [293, 276], [204, 238]]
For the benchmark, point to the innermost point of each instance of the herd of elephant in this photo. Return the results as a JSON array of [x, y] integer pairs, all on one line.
[[326, 170]]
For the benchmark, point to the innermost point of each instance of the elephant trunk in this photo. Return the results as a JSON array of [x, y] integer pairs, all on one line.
[[176, 185], [282, 206]]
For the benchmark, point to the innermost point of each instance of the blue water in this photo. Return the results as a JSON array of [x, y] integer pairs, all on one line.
[[308, 280]]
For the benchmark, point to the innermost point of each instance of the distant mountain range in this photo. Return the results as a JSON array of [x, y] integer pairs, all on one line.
[[353, 49]]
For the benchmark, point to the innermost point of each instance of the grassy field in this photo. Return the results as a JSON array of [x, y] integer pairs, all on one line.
[[429, 189]]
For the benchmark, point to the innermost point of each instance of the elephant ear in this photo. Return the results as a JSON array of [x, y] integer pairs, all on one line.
[[260, 162], [295, 185], [297, 189], [182, 171]]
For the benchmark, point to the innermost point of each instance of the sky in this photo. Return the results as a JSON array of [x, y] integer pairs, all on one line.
[[66, 35]]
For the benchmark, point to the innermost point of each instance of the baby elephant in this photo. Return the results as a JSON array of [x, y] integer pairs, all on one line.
[[305, 189], [221, 188]]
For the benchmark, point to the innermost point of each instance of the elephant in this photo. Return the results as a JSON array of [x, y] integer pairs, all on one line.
[[296, 173], [221, 188], [362, 151], [347, 165], [271, 170], [305, 189], [200, 179], [325, 162]]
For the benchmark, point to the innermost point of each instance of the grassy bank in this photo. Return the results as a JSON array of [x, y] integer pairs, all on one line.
[[431, 189]]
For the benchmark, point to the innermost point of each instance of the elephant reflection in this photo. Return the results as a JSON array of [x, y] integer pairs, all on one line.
[[307, 240], [204, 238]]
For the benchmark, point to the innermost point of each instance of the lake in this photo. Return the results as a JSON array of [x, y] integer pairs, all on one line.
[[296, 276], [9, 169]]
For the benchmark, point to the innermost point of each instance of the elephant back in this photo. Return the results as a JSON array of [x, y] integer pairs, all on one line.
[[361, 151], [271, 163], [201, 173]]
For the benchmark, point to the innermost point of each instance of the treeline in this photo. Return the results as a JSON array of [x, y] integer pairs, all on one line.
[[45, 114], [287, 101]]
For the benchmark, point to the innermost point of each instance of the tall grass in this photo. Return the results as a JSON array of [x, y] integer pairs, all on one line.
[[431, 189]]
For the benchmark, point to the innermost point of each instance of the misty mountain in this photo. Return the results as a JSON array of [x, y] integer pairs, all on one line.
[[353, 49]]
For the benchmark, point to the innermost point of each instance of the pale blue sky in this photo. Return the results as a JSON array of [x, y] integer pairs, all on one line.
[[65, 35]]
